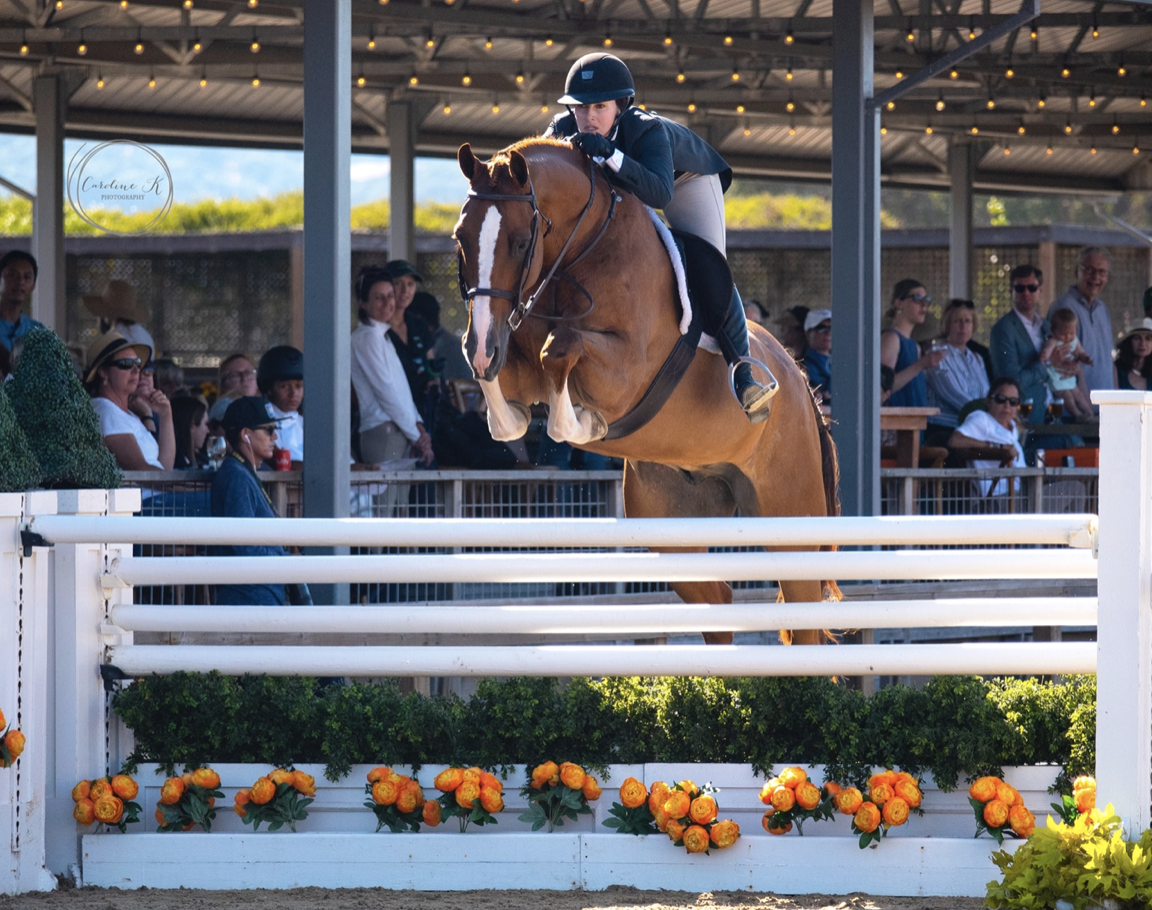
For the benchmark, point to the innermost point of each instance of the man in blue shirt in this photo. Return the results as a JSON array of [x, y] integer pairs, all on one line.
[[817, 358], [18, 273]]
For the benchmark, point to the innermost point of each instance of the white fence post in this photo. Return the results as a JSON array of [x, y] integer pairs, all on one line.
[[88, 741], [1124, 624], [23, 693]]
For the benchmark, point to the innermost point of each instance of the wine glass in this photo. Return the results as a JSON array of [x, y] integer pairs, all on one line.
[[1025, 409], [217, 448]]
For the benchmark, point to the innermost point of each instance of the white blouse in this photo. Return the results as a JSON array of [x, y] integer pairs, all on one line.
[[381, 386], [114, 421]]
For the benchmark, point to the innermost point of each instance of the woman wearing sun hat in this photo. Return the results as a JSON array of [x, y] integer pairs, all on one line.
[[1133, 366], [113, 373]]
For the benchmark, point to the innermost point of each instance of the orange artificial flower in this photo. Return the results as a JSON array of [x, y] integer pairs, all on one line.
[[676, 806], [281, 776], [724, 833], [661, 818], [108, 810], [491, 800], [186, 779], [832, 788], [448, 779], [766, 790], [405, 801], [124, 787], [2, 722], [1022, 821], [909, 792], [1084, 783], [633, 793], [996, 813], [807, 795], [303, 783], [591, 788], [490, 780], [80, 791], [783, 799], [766, 821], [1085, 799], [689, 787], [902, 775], [384, 792], [159, 816], [262, 791], [675, 830], [793, 777], [15, 743], [882, 777], [85, 811], [867, 818], [432, 813], [547, 773], [206, 778], [849, 800], [702, 810], [696, 839], [983, 789], [880, 793], [658, 796], [895, 811], [572, 776], [378, 773], [467, 794], [240, 800], [1008, 794], [170, 792], [100, 787]]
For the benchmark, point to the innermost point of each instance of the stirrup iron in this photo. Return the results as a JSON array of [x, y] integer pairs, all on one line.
[[759, 407]]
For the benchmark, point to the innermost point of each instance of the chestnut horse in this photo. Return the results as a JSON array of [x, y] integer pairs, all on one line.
[[540, 216]]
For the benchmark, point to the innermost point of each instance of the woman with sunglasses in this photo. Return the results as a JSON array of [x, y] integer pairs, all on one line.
[[901, 353], [112, 378], [995, 428], [961, 376]]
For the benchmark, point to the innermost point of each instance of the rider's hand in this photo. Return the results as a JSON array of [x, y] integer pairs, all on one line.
[[594, 145]]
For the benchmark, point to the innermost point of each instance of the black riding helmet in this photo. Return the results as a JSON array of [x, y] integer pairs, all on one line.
[[598, 77], [278, 364]]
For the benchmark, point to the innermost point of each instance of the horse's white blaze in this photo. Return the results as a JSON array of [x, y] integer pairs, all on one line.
[[482, 305], [568, 423], [504, 422]]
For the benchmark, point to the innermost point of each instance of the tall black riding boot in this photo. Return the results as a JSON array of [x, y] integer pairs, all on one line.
[[754, 397]]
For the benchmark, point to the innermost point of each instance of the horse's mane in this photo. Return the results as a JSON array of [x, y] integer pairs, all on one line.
[[528, 145]]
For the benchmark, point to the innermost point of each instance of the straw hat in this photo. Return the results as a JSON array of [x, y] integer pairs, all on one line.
[[107, 347], [1143, 327], [119, 301]]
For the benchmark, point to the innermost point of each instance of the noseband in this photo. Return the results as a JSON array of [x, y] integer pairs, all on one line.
[[523, 307]]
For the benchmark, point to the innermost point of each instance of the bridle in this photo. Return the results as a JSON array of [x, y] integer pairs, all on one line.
[[523, 308]]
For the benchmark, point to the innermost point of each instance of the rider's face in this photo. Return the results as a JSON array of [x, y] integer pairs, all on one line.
[[595, 118]]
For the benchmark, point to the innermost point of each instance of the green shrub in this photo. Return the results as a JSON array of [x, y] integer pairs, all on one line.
[[19, 469], [56, 415], [956, 726]]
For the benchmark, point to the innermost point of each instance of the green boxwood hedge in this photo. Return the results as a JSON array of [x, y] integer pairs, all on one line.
[[953, 727]]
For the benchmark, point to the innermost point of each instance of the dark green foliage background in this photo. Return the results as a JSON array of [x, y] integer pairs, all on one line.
[[19, 469], [57, 417], [955, 727]]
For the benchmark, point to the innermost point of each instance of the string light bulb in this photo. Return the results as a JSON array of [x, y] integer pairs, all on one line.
[[691, 107], [1115, 127], [791, 129], [607, 40], [790, 106], [197, 47], [139, 48], [739, 108], [1048, 151], [955, 74], [123, 4], [544, 108], [549, 41], [735, 74], [975, 131], [23, 50], [1009, 73], [991, 103], [1007, 150], [667, 39], [928, 130], [255, 82], [1095, 30], [203, 79], [1034, 35], [487, 44], [1092, 99], [151, 81], [495, 107], [520, 77], [1020, 129], [727, 40], [99, 80], [82, 49], [1068, 127], [1092, 151], [188, 4], [971, 34], [1121, 71], [1143, 100], [788, 74], [747, 131], [899, 74], [891, 105], [252, 4], [1065, 72], [254, 47], [371, 42], [1042, 102], [430, 42], [911, 36], [789, 38], [466, 79], [1136, 149], [413, 79], [883, 131], [447, 109], [940, 103], [361, 81], [680, 77]]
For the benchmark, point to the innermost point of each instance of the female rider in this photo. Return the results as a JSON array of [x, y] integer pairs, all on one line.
[[666, 166]]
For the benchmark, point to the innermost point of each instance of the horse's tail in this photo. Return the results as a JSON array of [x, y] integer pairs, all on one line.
[[830, 470]]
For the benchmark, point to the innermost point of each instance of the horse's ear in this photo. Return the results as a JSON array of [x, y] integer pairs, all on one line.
[[518, 168], [467, 160]]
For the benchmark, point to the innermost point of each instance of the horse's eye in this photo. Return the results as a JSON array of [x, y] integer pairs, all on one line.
[[519, 245]]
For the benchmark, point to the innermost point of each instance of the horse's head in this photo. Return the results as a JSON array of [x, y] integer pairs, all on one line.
[[500, 237]]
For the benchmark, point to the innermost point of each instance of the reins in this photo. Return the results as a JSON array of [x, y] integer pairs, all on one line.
[[524, 308]]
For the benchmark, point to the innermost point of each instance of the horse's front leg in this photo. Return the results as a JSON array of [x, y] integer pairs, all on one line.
[[507, 420], [567, 422]]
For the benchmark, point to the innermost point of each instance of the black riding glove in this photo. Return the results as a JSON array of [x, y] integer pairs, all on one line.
[[594, 145]]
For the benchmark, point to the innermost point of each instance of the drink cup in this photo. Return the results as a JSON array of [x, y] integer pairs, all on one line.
[[283, 460]]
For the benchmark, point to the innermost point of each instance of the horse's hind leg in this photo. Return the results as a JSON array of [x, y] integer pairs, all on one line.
[[802, 592], [660, 491]]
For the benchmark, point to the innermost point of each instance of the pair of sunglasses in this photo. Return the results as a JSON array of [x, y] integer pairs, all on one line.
[[1021, 288], [1005, 399], [919, 298], [134, 364]]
